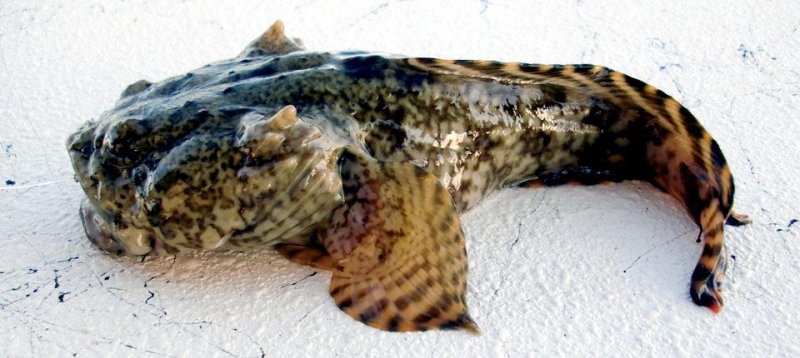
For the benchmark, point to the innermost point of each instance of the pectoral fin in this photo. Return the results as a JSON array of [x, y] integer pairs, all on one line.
[[397, 250]]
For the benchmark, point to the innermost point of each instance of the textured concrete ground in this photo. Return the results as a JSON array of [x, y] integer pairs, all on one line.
[[573, 271]]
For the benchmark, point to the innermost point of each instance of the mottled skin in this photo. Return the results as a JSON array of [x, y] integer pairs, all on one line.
[[359, 163]]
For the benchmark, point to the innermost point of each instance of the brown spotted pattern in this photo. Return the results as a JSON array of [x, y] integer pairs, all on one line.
[[360, 164], [680, 157], [399, 252]]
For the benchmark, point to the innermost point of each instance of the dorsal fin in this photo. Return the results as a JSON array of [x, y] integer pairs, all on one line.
[[136, 87], [273, 42]]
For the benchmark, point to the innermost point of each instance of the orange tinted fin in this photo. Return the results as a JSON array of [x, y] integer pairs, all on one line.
[[400, 262], [315, 257], [573, 176], [737, 219], [534, 184], [704, 203]]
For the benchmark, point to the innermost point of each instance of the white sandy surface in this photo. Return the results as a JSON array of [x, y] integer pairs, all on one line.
[[570, 271]]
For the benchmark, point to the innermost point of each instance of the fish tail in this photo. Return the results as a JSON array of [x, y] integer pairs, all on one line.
[[651, 136], [645, 134], [686, 162]]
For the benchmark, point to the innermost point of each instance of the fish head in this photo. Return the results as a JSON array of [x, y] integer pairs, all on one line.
[[167, 173]]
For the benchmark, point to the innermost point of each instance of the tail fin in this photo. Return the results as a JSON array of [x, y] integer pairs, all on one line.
[[688, 164], [651, 136]]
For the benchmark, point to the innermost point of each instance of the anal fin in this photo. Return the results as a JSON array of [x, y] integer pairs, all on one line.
[[315, 257], [398, 251]]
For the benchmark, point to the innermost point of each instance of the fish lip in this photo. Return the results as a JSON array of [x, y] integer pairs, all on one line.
[[97, 230]]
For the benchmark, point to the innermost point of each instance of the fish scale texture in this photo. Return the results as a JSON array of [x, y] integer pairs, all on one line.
[[565, 271]]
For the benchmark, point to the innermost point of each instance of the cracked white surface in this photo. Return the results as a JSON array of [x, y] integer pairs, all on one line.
[[567, 271]]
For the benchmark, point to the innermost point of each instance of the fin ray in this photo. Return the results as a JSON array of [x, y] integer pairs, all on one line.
[[394, 253]]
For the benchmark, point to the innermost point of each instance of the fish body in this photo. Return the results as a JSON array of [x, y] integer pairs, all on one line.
[[360, 163]]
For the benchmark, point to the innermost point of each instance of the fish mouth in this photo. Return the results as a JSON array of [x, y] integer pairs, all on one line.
[[98, 230]]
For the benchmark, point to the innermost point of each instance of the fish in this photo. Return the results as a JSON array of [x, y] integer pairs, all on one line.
[[361, 163]]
